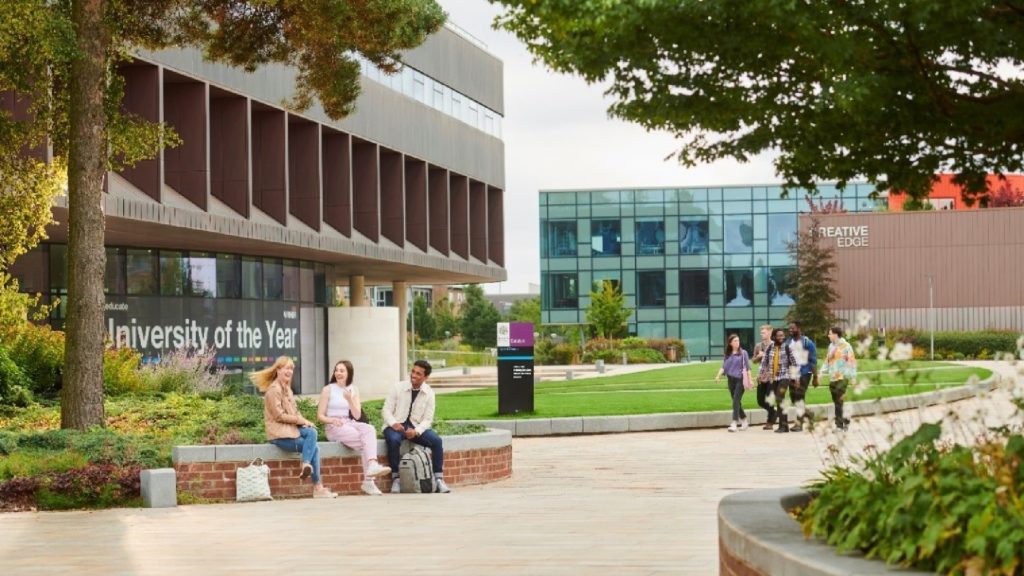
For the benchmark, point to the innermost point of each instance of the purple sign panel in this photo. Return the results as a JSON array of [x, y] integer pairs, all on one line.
[[520, 334]]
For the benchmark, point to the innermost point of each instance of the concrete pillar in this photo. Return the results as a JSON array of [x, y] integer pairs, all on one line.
[[356, 290], [399, 288]]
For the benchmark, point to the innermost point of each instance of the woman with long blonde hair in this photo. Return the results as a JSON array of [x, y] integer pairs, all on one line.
[[286, 427]]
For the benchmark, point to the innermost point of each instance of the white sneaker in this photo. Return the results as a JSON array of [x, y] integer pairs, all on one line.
[[369, 487], [744, 424], [442, 488], [732, 427], [396, 486], [375, 469]]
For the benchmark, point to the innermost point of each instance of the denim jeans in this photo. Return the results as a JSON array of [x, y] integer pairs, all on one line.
[[736, 391], [430, 439], [305, 443]]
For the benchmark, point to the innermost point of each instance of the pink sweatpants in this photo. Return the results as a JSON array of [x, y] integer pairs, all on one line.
[[357, 436]]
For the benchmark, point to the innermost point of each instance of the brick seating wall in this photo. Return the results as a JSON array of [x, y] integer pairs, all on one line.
[[213, 477]]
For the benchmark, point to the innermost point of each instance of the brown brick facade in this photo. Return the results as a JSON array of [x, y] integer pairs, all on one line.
[[216, 480]]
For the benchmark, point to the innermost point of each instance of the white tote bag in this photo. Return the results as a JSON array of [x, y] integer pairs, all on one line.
[[252, 482]]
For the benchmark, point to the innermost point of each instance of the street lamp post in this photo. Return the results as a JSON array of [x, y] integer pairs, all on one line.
[[931, 314]]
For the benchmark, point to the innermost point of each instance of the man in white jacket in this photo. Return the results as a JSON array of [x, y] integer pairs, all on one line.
[[408, 413]]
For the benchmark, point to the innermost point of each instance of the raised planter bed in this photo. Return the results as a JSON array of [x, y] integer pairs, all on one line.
[[756, 536], [209, 471]]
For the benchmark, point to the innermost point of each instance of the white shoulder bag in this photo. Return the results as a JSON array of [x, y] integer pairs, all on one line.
[[252, 482]]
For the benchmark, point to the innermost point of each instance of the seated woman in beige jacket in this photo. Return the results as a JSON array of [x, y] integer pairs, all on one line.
[[286, 428]]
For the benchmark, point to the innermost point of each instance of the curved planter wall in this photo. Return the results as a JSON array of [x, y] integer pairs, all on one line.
[[757, 536], [209, 471]]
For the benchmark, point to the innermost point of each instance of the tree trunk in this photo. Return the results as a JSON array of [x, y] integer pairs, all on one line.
[[82, 394]]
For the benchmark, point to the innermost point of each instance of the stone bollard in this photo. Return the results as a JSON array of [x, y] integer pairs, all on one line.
[[568, 374], [599, 365], [625, 360], [465, 370], [159, 488]]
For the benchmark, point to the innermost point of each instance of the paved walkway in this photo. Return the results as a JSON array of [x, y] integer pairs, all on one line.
[[642, 503]]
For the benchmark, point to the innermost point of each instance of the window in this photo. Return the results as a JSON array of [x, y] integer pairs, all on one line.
[[600, 277], [693, 236], [780, 286], [438, 97], [114, 277], [650, 288], [202, 274], [252, 277], [606, 237], [59, 268], [694, 288], [172, 273], [650, 237], [562, 238], [419, 86], [141, 272], [307, 281], [739, 234], [781, 231], [739, 287], [290, 278], [320, 283], [229, 276], [273, 279], [563, 291]]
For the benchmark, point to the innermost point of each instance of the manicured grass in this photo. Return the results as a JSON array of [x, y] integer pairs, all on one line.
[[689, 388]]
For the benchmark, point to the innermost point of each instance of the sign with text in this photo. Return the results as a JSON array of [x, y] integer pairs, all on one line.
[[244, 333], [515, 367], [846, 236]]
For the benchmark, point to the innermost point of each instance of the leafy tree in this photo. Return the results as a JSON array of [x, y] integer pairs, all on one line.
[[448, 320], [811, 282], [64, 56], [426, 326], [526, 310], [607, 311], [1006, 196], [917, 205], [889, 90], [479, 319]]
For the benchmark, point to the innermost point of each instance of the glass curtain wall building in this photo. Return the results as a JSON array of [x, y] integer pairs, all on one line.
[[693, 263]]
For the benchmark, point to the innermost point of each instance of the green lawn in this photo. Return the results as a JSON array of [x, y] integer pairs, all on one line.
[[689, 388]]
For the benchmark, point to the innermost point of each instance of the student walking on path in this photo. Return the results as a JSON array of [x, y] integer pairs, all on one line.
[[775, 368], [736, 367], [764, 387], [841, 369]]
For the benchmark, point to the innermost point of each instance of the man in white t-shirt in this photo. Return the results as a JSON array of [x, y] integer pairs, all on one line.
[[408, 413]]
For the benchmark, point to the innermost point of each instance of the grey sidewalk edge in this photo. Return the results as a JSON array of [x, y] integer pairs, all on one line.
[[690, 420], [755, 528], [242, 452]]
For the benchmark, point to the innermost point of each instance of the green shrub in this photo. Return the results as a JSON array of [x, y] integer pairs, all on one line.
[[663, 344], [184, 371], [632, 342], [31, 463], [613, 356], [14, 384], [645, 356], [928, 504], [595, 344], [121, 371], [39, 352]]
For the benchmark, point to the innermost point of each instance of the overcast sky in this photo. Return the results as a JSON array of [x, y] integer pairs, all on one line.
[[558, 135]]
